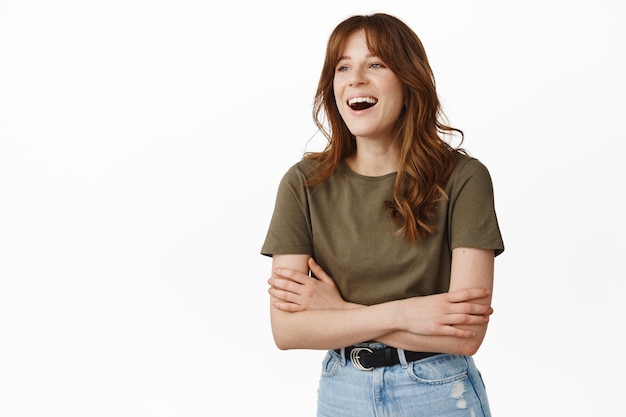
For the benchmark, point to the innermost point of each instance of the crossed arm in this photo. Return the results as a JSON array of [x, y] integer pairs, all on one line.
[[310, 314]]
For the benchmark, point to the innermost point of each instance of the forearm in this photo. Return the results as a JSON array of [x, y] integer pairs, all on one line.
[[449, 314], [442, 344], [310, 314], [433, 343], [332, 329]]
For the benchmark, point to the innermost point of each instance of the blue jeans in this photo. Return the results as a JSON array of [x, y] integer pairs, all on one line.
[[442, 385]]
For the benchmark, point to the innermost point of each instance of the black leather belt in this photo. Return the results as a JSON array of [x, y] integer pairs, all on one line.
[[365, 359]]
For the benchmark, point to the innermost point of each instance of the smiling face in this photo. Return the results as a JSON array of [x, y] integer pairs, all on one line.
[[368, 94]]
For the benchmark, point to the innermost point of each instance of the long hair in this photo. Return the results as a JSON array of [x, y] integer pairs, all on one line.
[[426, 160]]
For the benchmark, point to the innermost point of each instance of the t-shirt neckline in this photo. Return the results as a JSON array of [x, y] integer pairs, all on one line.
[[343, 167]]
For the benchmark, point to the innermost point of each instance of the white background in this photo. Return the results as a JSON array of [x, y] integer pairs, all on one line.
[[141, 144]]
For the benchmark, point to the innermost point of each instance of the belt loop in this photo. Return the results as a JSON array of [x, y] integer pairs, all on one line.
[[342, 353], [402, 359]]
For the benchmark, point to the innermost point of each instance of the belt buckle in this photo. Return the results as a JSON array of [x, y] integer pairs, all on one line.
[[356, 359]]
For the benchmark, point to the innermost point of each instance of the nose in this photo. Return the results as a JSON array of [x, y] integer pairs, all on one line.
[[357, 77]]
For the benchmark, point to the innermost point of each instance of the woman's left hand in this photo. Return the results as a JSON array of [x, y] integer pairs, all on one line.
[[294, 291]]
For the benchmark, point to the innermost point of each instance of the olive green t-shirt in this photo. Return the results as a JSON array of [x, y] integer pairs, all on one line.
[[344, 225]]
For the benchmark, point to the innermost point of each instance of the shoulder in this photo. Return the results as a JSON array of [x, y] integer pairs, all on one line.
[[301, 169], [297, 175], [469, 174], [468, 167]]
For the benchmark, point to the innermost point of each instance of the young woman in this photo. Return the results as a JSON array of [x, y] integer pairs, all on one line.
[[399, 230]]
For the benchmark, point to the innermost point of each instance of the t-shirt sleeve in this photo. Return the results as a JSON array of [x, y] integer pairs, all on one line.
[[473, 220], [290, 227]]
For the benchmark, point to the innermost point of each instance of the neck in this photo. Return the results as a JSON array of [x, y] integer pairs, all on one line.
[[374, 159]]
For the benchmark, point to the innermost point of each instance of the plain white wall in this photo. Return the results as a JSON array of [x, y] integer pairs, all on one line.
[[141, 144]]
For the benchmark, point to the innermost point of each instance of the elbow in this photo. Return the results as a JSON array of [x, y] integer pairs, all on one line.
[[468, 349], [468, 346], [288, 343], [281, 343], [283, 339], [471, 345], [287, 339], [285, 331]]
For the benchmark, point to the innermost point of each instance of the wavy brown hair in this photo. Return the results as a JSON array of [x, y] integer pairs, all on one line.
[[426, 160]]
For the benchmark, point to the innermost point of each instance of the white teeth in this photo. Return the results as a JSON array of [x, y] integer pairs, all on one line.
[[370, 100]]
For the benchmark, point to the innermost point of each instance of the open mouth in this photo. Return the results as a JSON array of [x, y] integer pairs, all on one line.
[[362, 103]]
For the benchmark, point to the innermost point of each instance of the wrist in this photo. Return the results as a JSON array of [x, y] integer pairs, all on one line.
[[389, 318], [396, 312]]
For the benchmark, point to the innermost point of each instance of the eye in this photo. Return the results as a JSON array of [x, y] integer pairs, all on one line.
[[342, 68], [377, 65]]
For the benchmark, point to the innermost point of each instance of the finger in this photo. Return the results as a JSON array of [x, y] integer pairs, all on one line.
[[471, 308], [291, 274], [454, 319], [284, 301], [285, 284], [284, 296], [288, 307], [319, 272], [456, 332], [467, 294]]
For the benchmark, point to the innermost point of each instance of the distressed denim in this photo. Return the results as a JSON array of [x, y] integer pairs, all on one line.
[[442, 385]]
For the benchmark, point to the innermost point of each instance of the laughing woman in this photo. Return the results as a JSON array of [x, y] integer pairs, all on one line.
[[383, 244]]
